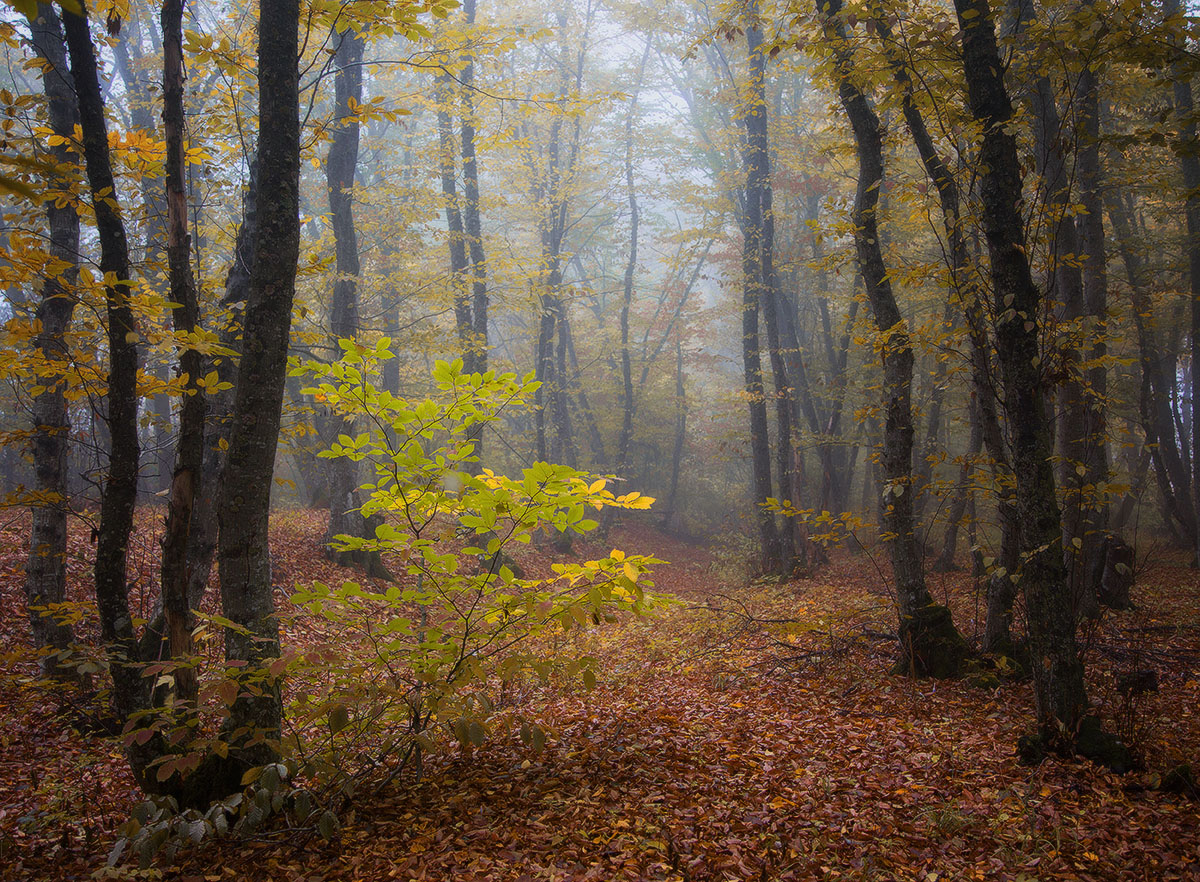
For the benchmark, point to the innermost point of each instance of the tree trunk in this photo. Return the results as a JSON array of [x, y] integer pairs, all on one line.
[[202, 540], [669, 517], [627, 404], [930, 645], [760, 232], [472, 224], [46, 569], [243, 552], [155, 476], [1060, 697], [1189, 164], [120, 486], [456, 240], [753, 296], [1001, 590], [1094, 446], [966, 490], [1154, 409], [189, 455], [345, 516], [477, 362]]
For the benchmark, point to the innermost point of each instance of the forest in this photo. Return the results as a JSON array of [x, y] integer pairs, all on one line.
[[592, 439]]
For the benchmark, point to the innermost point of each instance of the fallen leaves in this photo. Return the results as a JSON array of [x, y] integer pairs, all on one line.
[[708, 750]]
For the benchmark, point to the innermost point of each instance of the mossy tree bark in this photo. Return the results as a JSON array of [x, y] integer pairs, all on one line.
[[1061, 699], [46, 569], [930, 645], [243, 551]]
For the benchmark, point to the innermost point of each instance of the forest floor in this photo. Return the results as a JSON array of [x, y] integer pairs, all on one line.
[[748, 731]]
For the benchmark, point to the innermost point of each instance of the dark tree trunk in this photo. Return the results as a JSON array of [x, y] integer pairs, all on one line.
[[1094, 446], [1189, 164], [189, 455], [595, 440], [627, 400], [753, 296], [627, 403], [345, 516], [930, 645], [965, 491], [46, 569], [669, 508], [243, 552], [1154, 409], [1071, 437], [202, 540], [155, 476], [120, 486], [760, 233], [1001, 590], [472, 224], [1061, 699], [456, 240], [928, 454], [477, 360]]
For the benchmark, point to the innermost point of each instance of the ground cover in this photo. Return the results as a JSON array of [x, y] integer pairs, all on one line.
[[749, 731]]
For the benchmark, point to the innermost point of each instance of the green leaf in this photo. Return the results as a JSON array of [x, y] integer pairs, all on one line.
[[327, 825], [339, 718]]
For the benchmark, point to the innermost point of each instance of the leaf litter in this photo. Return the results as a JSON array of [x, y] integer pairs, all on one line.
[[749, 731]]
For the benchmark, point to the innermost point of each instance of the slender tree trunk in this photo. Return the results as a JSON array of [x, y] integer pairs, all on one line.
[[456, 240], [202, 540], [1189, 164], [472, 224], [627, 403], [966, 490], [46, 569], [753, 295], [595, 440], [930, 645], [120, 486], [1094, 493], [761, 234], [345, 516], [243, 552], [155, 476], [928, 453], [681, 410], [1002, 590], [189, 455], [1171, 473], [473, 227], [1060, 696]]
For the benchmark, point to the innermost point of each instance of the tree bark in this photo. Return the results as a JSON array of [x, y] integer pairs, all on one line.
[[189, 455], [1189, 164], [1154, 403], [1060, 697], [681, 410], [120, 486], [472, 225], [965, 491], [760, 232], [753, 297], [243, 551], [1001, 587], [202, 538], [1094, 446], [930, 645], [345, 502], [46, 569]]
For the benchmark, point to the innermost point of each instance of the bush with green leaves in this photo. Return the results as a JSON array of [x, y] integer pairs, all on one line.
[[396, 669]]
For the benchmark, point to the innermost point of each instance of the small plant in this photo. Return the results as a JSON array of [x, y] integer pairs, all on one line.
[[422, 660]]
